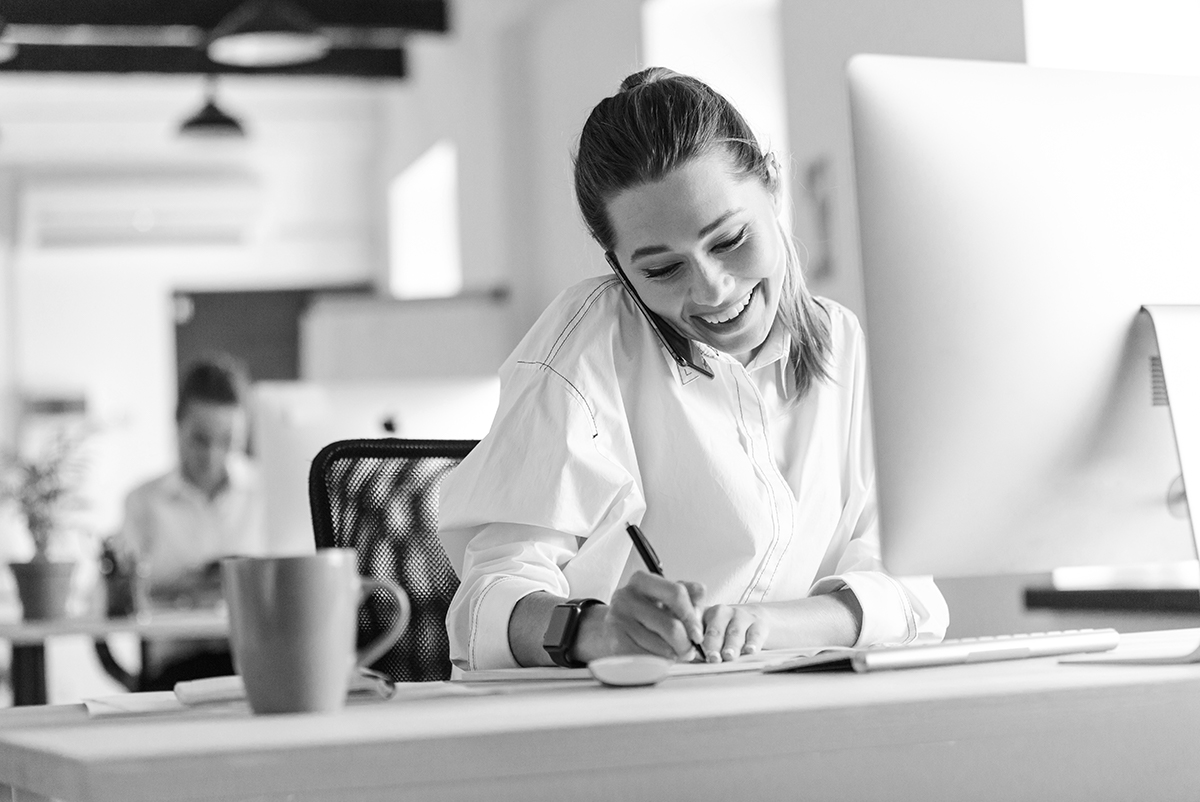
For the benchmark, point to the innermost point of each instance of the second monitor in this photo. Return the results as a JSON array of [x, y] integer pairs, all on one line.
[[292, 421], [1014, 221]]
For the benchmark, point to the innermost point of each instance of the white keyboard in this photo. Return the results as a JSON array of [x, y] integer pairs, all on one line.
[[955, 651]]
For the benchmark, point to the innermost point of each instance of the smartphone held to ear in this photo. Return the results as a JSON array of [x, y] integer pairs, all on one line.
[[677, 345]]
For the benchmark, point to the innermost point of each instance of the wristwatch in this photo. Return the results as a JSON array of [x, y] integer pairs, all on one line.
[[564, 626]]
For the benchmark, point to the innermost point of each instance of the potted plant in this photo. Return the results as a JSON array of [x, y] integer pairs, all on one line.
[[43, 487]]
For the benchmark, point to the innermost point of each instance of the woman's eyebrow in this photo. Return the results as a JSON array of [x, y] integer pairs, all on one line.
[[704, 232], [651, 250]]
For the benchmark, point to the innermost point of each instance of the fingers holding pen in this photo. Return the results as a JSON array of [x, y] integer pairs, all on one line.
[[633, 637], [640, 626], [680, 599], [695, 591], [651, 610]]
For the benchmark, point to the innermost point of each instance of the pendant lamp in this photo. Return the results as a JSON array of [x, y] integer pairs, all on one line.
[[211, 121], [267, 33]]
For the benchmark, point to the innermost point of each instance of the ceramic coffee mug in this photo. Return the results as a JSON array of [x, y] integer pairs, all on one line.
[[293, 625]]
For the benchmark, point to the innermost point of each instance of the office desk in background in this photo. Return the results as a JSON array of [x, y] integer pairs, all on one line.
[[1027, 729], [1004, 604], [28, 640]]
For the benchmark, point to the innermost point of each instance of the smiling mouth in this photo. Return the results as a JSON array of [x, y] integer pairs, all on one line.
[[732, 314]]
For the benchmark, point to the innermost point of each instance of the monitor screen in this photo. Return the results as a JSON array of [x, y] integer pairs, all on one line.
[[292, 421], [1013, 222]]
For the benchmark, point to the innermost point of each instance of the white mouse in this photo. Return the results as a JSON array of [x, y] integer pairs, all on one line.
[[630, 669]]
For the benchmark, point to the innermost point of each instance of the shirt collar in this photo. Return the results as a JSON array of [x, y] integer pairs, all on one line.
[[774, 348], [774, 352]]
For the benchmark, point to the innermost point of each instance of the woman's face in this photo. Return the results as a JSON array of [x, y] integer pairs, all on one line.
[[208, 434], [703, 250]]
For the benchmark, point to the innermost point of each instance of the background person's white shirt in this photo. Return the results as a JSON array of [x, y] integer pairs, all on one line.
[[175, 527], [759, 499]]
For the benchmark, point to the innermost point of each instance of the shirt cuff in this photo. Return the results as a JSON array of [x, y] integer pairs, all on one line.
[[487, 644], [887, 613]]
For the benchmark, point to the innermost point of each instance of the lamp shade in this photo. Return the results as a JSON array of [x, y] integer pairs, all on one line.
[[212, 122], [267, 33]]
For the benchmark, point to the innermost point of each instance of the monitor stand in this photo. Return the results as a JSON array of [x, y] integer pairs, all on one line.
[[1177, 331]]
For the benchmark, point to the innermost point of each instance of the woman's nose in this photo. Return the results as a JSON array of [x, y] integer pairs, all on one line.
[[712, 285], [215, 454]]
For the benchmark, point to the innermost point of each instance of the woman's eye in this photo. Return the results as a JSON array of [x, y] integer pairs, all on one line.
[[661, 272], [731, 243]]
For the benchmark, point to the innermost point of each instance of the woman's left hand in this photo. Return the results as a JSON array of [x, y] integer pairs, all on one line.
[[732, 630]]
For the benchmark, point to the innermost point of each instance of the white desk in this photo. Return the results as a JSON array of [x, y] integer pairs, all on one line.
[[1031, 729], [166, 624], [28, 639]]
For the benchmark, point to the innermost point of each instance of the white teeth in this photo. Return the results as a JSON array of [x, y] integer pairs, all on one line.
[[730, 313]]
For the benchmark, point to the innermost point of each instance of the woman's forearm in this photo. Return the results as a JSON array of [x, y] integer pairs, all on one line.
[[527, 626], [527, 630], [830, 619]]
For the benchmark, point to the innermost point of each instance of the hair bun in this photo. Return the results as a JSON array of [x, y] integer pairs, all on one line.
[[647, 76]]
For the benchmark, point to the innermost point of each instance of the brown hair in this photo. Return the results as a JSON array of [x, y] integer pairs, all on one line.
[[215, 379], [659, 121]]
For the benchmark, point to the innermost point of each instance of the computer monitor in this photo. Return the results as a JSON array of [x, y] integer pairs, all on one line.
[[292, 421], [1013, 222]]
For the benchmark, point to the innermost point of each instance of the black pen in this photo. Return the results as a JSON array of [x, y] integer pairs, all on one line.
[[650, 558]]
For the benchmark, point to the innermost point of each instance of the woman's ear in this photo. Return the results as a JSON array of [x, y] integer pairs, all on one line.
[[774, 185]]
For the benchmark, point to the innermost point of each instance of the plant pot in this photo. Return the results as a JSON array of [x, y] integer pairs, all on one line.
[[44, 588]]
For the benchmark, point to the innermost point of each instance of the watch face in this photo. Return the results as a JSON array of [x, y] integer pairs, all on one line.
[[560, 624]]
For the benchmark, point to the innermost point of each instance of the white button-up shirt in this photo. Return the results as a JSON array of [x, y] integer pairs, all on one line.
[[173, 527], [759, 498], [176, 528]]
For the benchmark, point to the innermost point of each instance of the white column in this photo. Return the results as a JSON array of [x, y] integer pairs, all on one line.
[[565, 57], [819, 37]]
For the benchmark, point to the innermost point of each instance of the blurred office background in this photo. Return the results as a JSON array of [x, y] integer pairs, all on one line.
[[408, 224]]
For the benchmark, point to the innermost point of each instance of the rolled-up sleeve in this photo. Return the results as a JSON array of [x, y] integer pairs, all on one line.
[[515, 511], [894, 609], [503, 563]]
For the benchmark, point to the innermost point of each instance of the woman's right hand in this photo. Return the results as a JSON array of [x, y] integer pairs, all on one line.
[[648, 615]]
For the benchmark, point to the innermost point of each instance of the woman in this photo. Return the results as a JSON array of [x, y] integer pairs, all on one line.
[[700, 392]]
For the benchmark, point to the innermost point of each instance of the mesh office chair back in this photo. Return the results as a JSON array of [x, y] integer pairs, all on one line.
[[380, 497]]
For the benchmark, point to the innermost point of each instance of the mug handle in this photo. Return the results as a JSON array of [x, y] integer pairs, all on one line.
[[379, 647]]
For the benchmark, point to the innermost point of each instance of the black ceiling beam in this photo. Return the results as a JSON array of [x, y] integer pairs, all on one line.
[[416, 15], [351, 63]]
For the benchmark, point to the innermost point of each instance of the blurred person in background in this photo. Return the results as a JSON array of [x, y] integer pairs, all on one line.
[[179, 525]]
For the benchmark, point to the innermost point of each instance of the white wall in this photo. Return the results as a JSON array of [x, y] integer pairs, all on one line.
[[569, 55], [735, 47], [819, 36], [511, 87], [456, 91], [1152, 36], [310, 148], [107, 338], [351, 339]]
